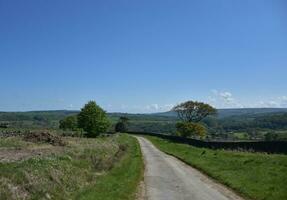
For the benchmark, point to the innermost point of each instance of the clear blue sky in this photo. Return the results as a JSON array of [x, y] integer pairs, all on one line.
[[142, 56]]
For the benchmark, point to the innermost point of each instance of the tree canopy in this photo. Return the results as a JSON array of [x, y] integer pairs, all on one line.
[[193, 111], [93, 119]]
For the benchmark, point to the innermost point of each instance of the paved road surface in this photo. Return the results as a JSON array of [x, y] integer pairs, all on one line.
[[167, 178]]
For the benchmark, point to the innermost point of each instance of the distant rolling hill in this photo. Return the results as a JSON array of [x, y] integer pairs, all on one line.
[[222, 113], [36, 115], [60, 114], [227, 120]]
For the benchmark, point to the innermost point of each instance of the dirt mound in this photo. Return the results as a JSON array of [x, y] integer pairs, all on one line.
[[10, 133], [45, 137]]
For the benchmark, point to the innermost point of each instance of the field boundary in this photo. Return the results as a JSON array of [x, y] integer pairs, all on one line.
[[279, 147]]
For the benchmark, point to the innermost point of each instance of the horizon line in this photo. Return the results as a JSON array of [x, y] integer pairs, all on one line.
[[48, 110]]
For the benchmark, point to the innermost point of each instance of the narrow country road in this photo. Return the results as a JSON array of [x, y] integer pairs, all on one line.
[[167, 178]]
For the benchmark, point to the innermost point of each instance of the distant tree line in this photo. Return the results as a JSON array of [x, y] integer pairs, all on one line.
[[270, 121], [195, 119], [93, 120]]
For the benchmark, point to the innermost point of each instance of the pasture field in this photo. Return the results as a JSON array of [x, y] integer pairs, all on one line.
[[253, 175], [75, 168]]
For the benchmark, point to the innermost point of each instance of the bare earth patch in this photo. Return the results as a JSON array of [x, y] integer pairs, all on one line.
[[32, 144], [12, 155]]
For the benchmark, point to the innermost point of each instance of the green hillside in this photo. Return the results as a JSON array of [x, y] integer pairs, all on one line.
[[253, 123]]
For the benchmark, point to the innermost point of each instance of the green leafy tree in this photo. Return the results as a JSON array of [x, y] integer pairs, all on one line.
[[188, 129], [122, 124], [191, 113], [93, 119], [69, 123]]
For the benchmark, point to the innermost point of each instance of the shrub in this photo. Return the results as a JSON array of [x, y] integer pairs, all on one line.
[[121, 126], [188, 129], [69, 123], [270, 136]]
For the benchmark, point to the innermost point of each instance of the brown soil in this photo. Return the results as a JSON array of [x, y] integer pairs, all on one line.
[[12, 155]]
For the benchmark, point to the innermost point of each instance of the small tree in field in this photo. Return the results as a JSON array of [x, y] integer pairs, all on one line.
[[93, 119], [191, 113], [122, 124]]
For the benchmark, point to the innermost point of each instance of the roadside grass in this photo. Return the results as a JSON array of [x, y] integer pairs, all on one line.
[[84, 162], [122, 182], [253, 175]]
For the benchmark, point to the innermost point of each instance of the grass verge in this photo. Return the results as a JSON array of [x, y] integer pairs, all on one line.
[[122, 181], [254, 175]]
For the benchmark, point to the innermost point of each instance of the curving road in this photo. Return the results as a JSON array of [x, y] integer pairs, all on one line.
[[167, 178]]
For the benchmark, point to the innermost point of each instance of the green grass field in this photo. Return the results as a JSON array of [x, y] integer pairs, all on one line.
[[101, 168], [253, 175]]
